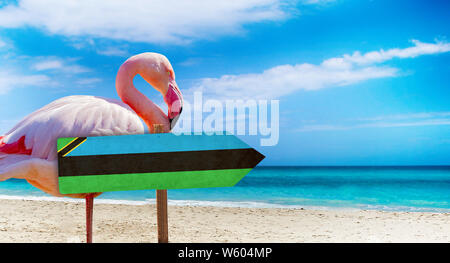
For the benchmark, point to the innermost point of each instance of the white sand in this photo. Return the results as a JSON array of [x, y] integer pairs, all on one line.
[[49, 221]]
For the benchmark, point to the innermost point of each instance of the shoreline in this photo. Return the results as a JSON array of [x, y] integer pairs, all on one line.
[[229, 204], [50, 221]]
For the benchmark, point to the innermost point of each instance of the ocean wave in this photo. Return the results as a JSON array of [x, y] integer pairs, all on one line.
[[241, 204], [151, 201], [403, 208]]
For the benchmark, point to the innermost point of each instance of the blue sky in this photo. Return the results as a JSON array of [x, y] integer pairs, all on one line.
[[359, 82]]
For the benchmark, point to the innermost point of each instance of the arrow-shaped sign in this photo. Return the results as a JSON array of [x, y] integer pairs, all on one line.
[[152, 161]]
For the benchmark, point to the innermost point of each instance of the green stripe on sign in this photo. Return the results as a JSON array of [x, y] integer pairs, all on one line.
[[140, 181], [63, 142]]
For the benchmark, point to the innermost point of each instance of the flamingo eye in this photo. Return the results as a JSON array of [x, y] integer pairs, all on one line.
[[171, 73]]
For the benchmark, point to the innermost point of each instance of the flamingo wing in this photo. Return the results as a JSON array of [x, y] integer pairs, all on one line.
[[71, 116], [28, 150]]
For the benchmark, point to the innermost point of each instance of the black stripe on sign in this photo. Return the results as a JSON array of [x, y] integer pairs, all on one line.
[[71, 146], [159, 162]]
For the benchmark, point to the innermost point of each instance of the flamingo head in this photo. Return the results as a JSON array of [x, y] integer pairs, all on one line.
[[166, 84], [158, 72]]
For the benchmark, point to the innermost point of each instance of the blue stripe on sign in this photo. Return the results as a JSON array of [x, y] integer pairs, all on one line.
[[152, 143]]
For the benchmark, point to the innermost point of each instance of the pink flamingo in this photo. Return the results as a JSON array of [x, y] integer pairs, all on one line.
[[28, 150]]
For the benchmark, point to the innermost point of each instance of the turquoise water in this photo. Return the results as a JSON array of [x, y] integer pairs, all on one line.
[[383, 188]]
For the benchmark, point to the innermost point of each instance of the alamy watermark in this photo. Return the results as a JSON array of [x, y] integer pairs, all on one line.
[[239, 117]]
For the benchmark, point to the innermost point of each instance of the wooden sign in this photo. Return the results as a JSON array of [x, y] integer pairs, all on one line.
[[152, 161]]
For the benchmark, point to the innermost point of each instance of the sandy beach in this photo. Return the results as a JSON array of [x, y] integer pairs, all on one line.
[[51, 221]]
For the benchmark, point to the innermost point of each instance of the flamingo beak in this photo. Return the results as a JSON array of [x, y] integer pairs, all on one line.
[[174, 101]]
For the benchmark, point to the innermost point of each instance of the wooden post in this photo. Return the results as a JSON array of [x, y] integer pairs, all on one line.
[[161, 214], [89, 216], [161, 205]]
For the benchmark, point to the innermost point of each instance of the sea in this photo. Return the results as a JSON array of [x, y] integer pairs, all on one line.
[[386, 188]]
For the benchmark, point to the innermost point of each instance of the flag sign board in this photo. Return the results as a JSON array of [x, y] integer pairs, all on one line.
[[152, 161]]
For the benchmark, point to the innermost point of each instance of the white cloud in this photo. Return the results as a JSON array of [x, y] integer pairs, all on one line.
[[58, 64], [113, 51], [48, 64], [158, 21], [418, 49], [10, 80], [420, 115], [43, 72], [326, 127], [101, 47], [398, 120], [189, 62], [339, 71], [283, 80], [322, 127], [88, 81], [12, 74], [431, 122], [6, 45], [317, 2]]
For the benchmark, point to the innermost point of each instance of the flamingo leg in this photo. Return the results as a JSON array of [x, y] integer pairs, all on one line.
[[89, 216]]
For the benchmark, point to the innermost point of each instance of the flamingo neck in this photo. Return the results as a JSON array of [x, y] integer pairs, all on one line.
[[144, 107]]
